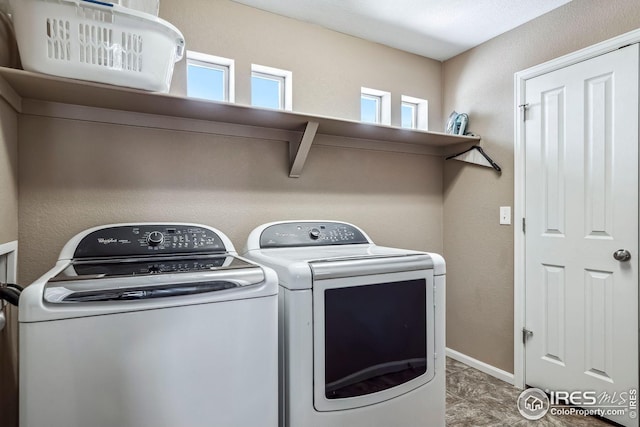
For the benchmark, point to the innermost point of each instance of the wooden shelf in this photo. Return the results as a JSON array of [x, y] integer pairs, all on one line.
[[19, 85]]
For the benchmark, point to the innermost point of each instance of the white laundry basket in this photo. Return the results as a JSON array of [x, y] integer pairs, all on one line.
[[97, 41]]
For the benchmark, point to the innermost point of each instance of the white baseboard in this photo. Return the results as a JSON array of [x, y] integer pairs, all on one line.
[[481, 366]]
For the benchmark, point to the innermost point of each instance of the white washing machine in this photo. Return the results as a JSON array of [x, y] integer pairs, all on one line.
[[150, 325], [362, 327]]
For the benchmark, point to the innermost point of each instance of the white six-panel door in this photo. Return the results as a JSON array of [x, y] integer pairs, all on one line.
[[581, 137]]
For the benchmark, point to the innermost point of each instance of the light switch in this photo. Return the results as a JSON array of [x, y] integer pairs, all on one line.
[[505, 215]]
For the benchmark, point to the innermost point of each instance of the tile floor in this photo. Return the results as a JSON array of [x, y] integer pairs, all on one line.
[[475, 399]]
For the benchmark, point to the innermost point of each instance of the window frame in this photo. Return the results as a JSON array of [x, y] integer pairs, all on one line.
[[378, 103], [226, 65], [384, 105], [283, 77], [414, 114], [421, 112]]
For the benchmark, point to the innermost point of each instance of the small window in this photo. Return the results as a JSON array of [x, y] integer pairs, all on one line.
[[370, 108], [271, 87], [210, 77], [414, 113], [375, 106], [267, 91], [409, 115]]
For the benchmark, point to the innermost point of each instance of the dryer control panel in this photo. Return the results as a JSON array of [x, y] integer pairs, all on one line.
[[292, 234], [148, 239]]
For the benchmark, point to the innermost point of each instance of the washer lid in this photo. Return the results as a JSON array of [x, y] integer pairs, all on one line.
[[298, 267], [138, 266], [151, 277]]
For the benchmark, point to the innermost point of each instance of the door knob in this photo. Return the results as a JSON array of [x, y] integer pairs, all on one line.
[[622, 255]]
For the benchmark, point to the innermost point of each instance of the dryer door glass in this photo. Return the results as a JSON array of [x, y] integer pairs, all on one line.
[[375, 337]]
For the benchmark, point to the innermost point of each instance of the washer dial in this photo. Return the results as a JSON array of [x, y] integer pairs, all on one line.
[[155, 238]]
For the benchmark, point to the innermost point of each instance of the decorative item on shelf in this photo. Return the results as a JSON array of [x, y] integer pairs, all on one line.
[[477, 156], [457, 123]]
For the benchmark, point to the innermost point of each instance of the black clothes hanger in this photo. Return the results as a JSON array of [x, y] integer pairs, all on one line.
[[489, 160]]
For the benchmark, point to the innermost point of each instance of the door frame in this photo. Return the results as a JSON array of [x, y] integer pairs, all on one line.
[[520, 80]]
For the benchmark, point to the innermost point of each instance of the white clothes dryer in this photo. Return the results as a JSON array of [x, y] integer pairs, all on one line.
[[362, 327], [142, 325]]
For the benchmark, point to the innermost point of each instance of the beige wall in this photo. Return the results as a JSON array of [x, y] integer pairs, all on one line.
[[479, 252], [328, 67], [75, 175], [8, 233]]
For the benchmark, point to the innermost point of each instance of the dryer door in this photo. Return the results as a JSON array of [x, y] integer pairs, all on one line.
[[373, 338]]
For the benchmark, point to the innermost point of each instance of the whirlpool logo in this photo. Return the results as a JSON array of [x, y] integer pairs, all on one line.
[[104, 241], [110, 240]]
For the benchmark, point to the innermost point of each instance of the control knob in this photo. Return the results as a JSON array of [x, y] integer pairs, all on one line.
[[314, 234], [155, 238]]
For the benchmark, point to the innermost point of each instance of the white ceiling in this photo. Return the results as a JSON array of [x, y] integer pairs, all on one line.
[[438, 29]]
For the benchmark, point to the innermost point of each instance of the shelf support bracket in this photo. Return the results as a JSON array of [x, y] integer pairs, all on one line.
[[298, 151]]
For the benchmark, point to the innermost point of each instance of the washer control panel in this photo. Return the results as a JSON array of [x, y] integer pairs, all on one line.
[[148, 239], [291, 234]]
